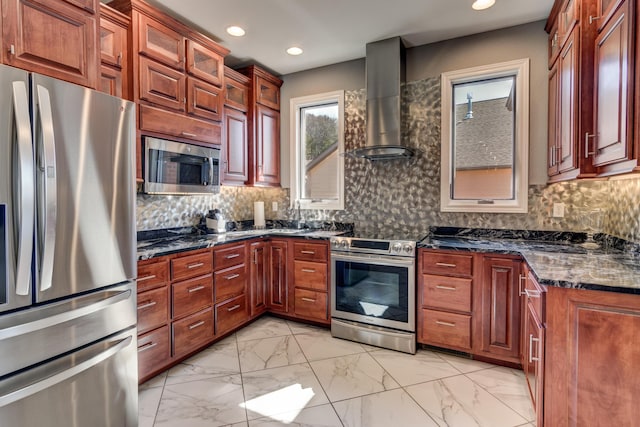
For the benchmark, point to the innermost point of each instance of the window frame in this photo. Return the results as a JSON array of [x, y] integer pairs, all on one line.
[[519, 204], [296, 105]]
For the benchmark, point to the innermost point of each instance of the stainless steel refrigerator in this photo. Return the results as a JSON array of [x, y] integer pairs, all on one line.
[[67, 255]]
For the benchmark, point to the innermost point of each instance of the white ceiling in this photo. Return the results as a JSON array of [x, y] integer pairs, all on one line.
[[332, 31]]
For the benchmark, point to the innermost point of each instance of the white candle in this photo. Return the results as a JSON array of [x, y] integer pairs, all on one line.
[[258, 214]]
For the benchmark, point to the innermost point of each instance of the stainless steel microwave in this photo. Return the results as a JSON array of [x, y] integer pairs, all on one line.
[[172, 167]]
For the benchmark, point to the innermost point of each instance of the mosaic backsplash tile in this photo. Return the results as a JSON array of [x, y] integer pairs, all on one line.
[[404, 195]]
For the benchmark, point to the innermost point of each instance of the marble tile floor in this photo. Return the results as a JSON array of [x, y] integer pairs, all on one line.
[[281, 373]]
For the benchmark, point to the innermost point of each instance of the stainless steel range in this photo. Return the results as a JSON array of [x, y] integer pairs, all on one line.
[[373, 291]]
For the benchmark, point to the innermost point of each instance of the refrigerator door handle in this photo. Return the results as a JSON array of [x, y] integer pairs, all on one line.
[[24, 211], [77, 367], [47, 212]]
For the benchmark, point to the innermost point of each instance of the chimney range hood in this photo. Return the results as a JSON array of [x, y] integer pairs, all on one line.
[[385, 76]]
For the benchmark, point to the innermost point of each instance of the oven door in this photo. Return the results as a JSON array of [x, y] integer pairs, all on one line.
[[374, 289]]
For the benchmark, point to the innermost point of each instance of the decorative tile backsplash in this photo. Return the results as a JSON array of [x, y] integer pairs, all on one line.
[[404, 195]]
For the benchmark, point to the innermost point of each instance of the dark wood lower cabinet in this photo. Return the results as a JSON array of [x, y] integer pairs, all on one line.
[[192, 331], [258, 276], [592, 358], [499, 325], [154, 352], [277, 292]]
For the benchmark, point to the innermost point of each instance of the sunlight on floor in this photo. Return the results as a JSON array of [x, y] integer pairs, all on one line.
[[281, 402]]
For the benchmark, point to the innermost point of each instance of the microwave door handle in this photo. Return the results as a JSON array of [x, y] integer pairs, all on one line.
[[24, 207], [48, 188], [210, 161]]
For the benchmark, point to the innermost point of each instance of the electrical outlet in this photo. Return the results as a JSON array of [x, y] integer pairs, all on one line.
[[274, 206], [558, 210]]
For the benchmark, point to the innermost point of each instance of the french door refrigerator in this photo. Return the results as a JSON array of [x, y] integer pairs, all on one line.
[[67, 255]]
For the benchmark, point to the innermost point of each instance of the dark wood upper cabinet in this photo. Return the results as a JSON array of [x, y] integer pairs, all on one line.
[[114, 66], [267, 146], [613, 143], [553, 122], [160, 42], [204, 63], [235, 158], [27, 28], [204, 100]]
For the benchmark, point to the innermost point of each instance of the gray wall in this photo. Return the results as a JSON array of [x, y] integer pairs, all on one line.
[[523, 41]]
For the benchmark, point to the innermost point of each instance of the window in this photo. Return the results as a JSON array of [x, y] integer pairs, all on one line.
[[317, 135], [485, 138]]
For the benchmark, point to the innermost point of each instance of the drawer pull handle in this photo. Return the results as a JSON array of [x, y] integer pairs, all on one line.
[[308, 252], [196, 265], [146, 305], [195, 289], [142, 279], [531, 341], [232, 256], [235, 307], [307, 299], [196, 325], [531, 293], [445, 264], [231, 276], [192, 135], [308, 270], [440, 322], [446, 288], [147, 346]]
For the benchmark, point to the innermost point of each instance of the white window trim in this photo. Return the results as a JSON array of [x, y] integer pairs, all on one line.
[[519, 204], [294, 128]]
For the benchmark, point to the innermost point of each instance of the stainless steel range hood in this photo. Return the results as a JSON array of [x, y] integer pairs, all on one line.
[[384, 80]]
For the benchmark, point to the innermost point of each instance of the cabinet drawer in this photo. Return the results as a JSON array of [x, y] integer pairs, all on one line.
[[191, 266], [536, 296], [152, 275], [153, 351], [230, 282], [310, 275], [310, 251], [449, 293], [192, 332], [153, 309], [177, 124], [192, 295], [447, 264], [231, 314], [310, 304], [227, 257], [446, 329]]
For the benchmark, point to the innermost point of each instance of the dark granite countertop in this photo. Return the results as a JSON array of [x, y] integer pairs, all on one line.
[[181, 242], [556, 259]]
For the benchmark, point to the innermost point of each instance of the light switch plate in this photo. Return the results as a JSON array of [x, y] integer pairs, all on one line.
[[274, 206], [558, 210]]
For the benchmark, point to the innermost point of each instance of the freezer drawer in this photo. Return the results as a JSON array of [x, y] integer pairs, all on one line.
[[40, 333], [96, 386]]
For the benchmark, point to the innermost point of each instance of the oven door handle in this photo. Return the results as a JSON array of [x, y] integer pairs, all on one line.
[[375, 259]]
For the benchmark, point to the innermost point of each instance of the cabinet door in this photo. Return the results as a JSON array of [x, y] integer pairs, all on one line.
[[204, 100], [161, 85], [500, 315], [268, 94], [267, 147], [567, 114], [277, 299], [235, 157], [553, 123], [72, 55], [204, 63], [258, 276], [113, 43], [533, 359], [613, 95], [110, 81], [236, 94], [161, 43]]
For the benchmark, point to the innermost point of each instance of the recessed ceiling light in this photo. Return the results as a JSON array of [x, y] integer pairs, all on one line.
[[482, 4], [294, 50], [235, 31]]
